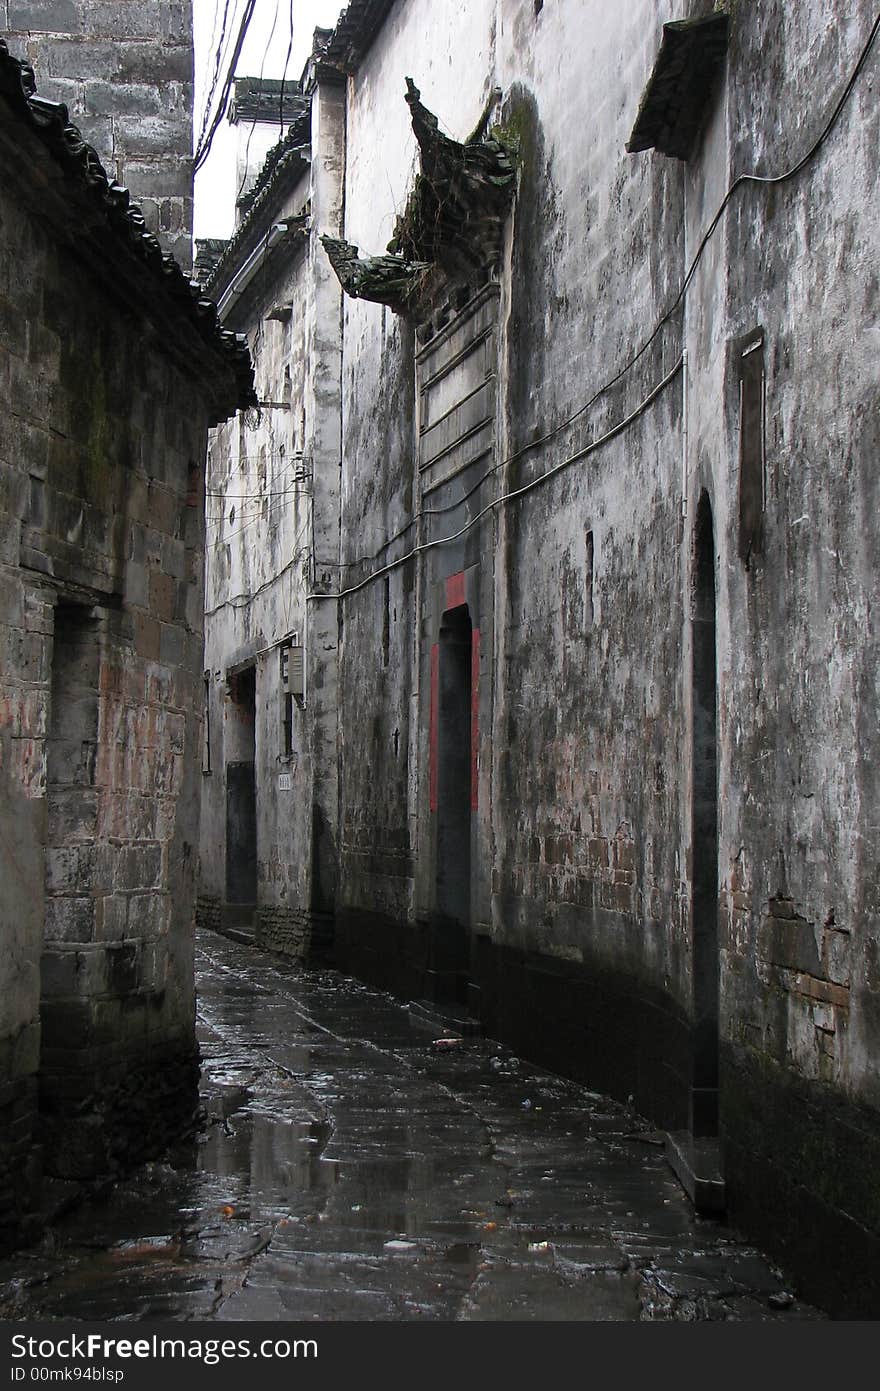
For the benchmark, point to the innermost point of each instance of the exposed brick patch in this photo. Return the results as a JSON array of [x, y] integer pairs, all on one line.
[[208, 912], [20, 1161], [120, 1106], [284, 930]]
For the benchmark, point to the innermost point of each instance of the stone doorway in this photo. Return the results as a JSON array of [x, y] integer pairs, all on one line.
[[695, 1153], [241, 796], [704, 834], [452, 936]]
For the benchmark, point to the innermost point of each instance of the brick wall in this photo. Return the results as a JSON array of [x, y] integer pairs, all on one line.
[[125, 70], [101, 519]]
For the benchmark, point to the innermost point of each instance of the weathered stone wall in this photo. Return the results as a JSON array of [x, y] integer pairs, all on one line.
[[324, 413], [798, 659], [101, 447], [124, 68], [385, 647], [639, 866], [582, 845], [257, 536], [554, 857], [273, 519], [587, 803]]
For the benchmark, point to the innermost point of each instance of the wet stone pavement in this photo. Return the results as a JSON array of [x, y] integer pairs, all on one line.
[[349, 1169]]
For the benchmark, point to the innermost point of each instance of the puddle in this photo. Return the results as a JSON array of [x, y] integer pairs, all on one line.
[[348, 1171]]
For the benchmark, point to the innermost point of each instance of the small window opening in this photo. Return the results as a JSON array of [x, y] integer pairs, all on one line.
[[286, 703], [752, 472], [539, 5], [240, 749], [386, 621], [287, 725], [588, 583], [206, 725]]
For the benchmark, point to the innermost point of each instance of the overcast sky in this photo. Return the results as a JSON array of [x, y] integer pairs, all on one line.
[[265, 48]]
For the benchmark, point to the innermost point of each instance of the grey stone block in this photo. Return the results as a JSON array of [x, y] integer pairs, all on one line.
[[139, 867], [147, 915], [66, 1023], [26, 1050], [122, 99], [174, 557], [137, 584], [159, 177], [154, 966], [113, 917], [123, 960], [52, 16], [172, 648], [69, 919], [58, 974], [70, 869]]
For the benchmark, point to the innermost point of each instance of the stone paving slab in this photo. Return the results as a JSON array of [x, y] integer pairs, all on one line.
[[349, 1169]]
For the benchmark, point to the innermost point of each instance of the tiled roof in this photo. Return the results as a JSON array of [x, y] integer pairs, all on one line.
[[456, 213], [674, 103], [106, 204], [288, 153], [355, 30], [266, 99], [340, 48], [286, 161], [208, 253]]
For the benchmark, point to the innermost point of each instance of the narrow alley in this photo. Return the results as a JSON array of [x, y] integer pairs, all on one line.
[[352, 1166]]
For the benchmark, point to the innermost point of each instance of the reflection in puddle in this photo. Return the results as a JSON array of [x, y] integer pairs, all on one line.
[[345, 1170]]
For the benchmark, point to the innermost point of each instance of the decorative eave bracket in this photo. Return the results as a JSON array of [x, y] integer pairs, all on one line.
[[390, 280], [451, 231]]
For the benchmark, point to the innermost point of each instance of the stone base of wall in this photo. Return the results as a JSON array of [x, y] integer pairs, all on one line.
[[614, 1032], [291, 932], [209, 912], [620, 1035], [107, 1117], [383, 951], [93, 1125], [800, 1161], [801, 1165], [302, 935], [19, 1162]]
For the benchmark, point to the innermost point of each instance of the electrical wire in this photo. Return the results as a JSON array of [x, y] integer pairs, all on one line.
[[284, 78], [253, 503], [287, 461], [239, 601], [299, 484], [297, 461], [739, 181], [661, 323], [592, 446], [247, 519], [254, 520], [221, 61], [515, 493], [214, 48], [247, 148], [204, 146], [247, 497], [270, 456], [218, 59]]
